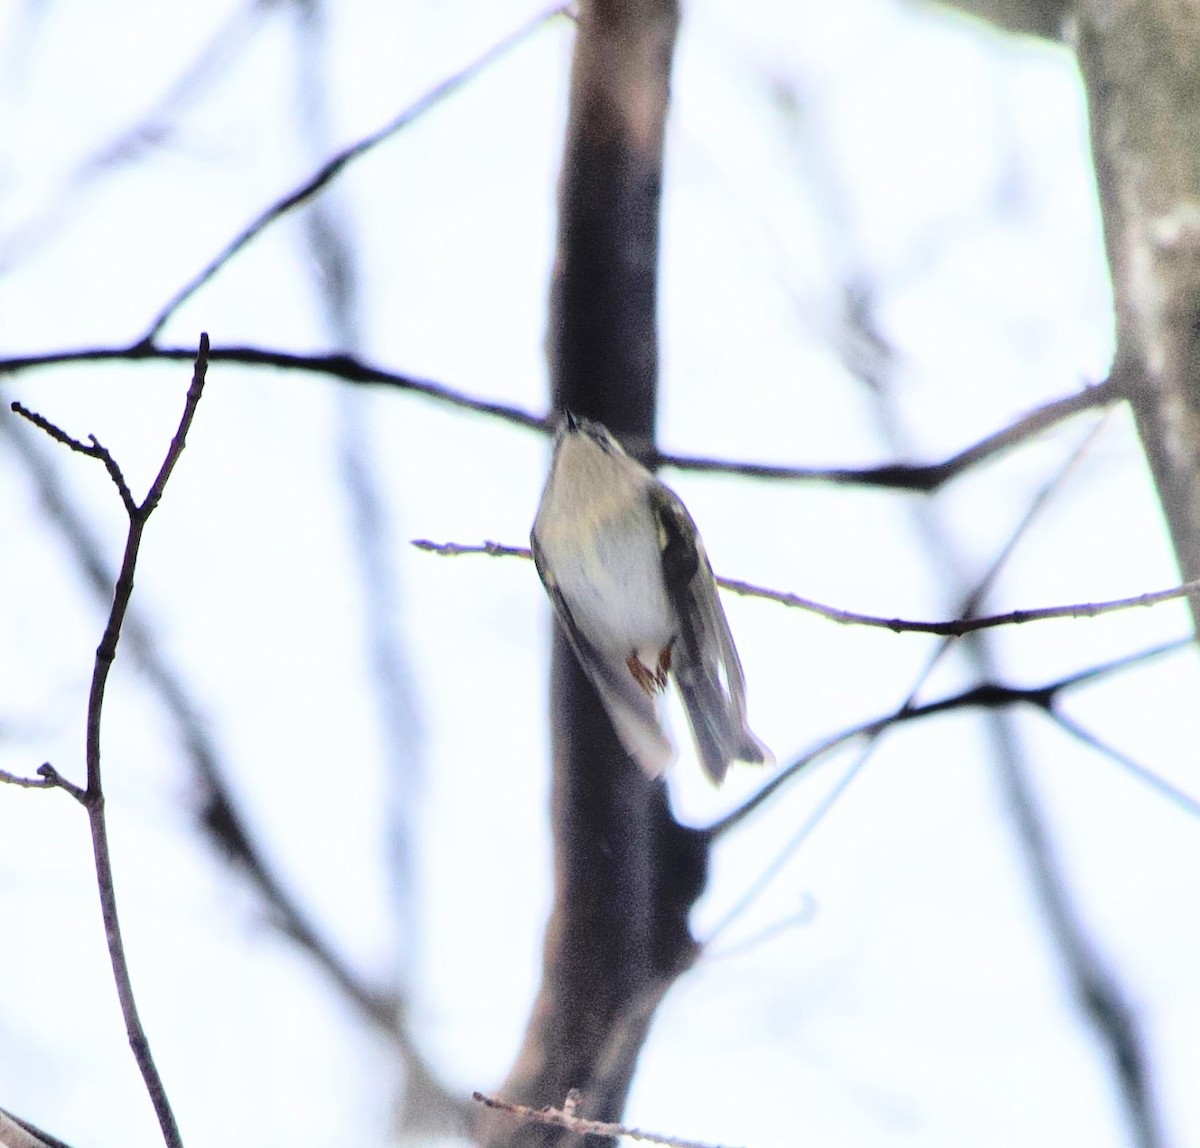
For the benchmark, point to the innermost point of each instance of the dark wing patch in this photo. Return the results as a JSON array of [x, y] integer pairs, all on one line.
[[676, 539], [681, 559], [707, 704], [706, 665]]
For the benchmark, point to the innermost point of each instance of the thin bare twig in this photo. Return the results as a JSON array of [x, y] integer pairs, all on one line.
[[918, 477], [968, 610], [457, 549], [334, 166], [922, 477], [91, 448], [565, 1117], [92, 797], [953, 628], [794, 920], [339, 366], [1115, 665], [987, 695], [984, 695], [220, 818], [1160, 785], [24, 782], [55, 780], [807, 827]]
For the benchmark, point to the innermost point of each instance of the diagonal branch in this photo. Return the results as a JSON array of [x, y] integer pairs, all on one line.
[[922, 477], [1185, 801], [983, 695], [91, 448], [904, 476], [348, 368], [968, 609], [334, 166]]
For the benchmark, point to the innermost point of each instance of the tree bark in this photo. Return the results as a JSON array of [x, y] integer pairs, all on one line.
[[626, 873], [1140, 65], [1140, 61]]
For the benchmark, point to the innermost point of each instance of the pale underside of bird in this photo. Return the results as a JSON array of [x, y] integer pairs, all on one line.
[[632, 587]]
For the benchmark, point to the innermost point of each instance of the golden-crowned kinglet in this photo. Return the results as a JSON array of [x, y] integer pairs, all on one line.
[[623, 564]]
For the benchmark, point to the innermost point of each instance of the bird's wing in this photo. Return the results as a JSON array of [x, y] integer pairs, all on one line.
[[705, 660]]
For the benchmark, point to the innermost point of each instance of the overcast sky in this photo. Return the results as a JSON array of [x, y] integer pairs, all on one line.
[[894, 981]]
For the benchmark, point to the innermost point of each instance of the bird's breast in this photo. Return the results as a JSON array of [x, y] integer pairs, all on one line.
[[613, 584]]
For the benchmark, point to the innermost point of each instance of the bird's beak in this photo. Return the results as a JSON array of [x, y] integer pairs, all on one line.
[[572, 422]]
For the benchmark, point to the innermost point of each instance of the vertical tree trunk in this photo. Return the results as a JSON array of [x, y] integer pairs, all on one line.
[[1140, 61], [626, 874]]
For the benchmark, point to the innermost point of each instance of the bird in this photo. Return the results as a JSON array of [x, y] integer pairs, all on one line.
[[631, 585]]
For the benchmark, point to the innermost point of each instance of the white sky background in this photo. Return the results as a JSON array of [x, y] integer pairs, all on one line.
[[921, 1002]]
